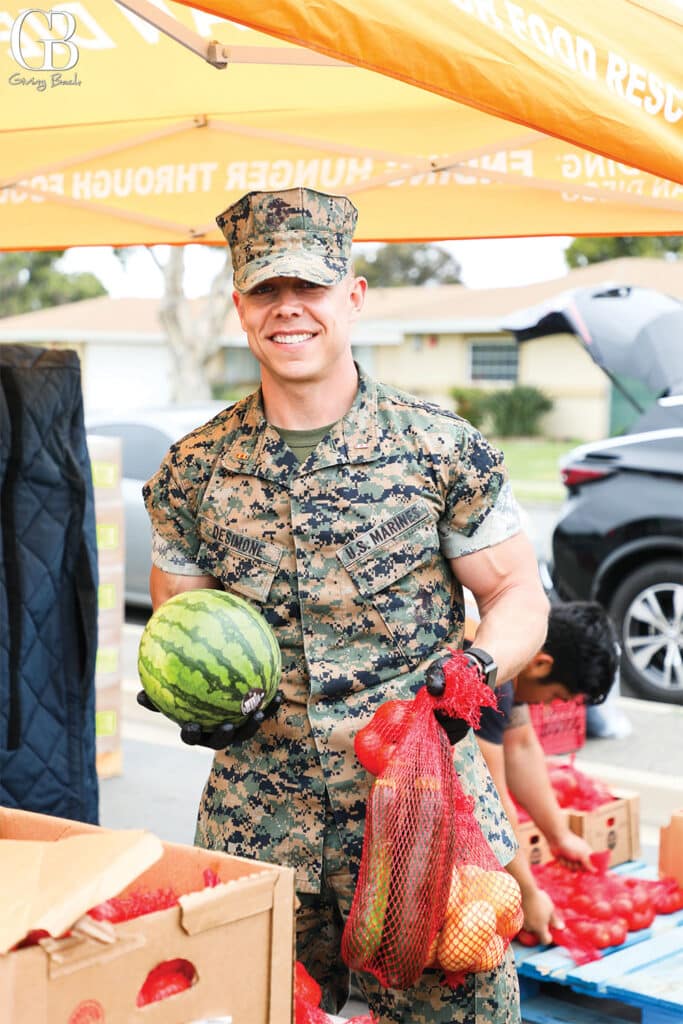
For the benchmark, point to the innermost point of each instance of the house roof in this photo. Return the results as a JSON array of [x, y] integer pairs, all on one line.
[[389, 313]]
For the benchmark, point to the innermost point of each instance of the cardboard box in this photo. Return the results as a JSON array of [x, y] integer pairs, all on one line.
[[108, 718], [615, 826], [238, 937], [533, 842], [109, 759], [671, 848], [109, 763]]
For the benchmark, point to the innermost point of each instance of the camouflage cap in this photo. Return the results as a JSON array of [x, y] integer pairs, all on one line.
[[296, 232]]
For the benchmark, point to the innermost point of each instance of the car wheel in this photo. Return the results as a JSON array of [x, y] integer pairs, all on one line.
[[647, 609]]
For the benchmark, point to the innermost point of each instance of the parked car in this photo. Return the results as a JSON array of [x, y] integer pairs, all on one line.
[[619, 540], [146, 435]]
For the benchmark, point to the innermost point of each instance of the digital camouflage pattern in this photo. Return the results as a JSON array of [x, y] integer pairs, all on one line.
[[295, 232], [343, 556], [491, 997]]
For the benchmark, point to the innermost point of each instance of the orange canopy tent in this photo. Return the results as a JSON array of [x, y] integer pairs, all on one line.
[[442, 119]]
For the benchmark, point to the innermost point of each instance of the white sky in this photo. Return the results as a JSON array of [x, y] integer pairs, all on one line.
[[486, 263]]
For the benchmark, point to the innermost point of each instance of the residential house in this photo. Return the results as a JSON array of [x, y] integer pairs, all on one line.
[[426, 340]]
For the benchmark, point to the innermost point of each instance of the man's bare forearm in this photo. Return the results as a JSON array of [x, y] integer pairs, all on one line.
[[514, 628], [505, 582], [529, 782], [163, 585]]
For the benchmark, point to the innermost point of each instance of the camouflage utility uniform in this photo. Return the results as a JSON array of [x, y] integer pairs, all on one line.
[[346, 557]]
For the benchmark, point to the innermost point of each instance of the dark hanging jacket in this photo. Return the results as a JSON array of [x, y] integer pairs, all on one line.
[[48, 588]]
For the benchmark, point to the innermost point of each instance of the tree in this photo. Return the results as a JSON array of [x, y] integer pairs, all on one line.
[[400, 263], [193, 334], [583, 251], [33, 280]]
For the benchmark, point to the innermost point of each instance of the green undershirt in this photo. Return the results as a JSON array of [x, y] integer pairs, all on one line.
[[303, 442]]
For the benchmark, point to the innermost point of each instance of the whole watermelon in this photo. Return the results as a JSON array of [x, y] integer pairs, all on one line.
[[207, 656]]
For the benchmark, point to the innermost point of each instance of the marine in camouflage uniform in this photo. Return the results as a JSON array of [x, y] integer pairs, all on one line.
[[346, 556]]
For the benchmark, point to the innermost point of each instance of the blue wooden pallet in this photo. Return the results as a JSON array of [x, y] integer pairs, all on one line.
[[645, 973]]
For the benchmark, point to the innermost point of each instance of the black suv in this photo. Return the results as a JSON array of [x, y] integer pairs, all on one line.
[[619, 540]]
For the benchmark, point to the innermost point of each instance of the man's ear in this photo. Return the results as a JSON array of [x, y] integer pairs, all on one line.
[[237, 300], [540, 666], [357, 292]]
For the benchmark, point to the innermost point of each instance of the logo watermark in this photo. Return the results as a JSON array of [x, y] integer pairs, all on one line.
[[42, 41]]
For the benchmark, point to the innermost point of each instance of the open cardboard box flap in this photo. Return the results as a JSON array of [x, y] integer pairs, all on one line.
[[50, 884], [241, 928]]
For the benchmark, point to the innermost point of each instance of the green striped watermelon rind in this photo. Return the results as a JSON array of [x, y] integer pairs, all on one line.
[[208, 656]]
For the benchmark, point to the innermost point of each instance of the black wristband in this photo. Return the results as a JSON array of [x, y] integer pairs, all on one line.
[[485, 663]]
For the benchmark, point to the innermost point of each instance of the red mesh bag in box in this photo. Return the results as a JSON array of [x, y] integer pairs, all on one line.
[[307, 996], [427, 873], [576, 790]]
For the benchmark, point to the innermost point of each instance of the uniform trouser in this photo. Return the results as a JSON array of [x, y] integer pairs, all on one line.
[[486, 998]]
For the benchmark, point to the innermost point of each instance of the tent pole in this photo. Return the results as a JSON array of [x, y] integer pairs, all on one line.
[[95, 154], [218, 54], [212, 52], [101, 209]]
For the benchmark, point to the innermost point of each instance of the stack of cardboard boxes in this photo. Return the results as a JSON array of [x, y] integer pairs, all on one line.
[[105, 459]]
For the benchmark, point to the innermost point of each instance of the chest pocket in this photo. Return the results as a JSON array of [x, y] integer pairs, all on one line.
[[399, 569], [243, 563]]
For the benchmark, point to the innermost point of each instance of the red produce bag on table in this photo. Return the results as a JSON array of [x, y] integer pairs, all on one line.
[[576, 790], [423, 847]]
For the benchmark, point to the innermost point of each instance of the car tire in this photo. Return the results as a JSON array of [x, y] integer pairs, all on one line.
[[647, 609]]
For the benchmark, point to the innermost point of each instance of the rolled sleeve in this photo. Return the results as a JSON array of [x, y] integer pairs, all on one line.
[[500, 522], [170, 558], [175, 543]]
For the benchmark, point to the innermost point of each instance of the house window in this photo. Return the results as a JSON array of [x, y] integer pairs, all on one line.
[[493, 360]]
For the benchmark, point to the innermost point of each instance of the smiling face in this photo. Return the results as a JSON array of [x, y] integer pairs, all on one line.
[[300, 331]]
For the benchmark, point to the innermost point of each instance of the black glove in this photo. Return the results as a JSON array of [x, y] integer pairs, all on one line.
[[221, 736], [455, 728]]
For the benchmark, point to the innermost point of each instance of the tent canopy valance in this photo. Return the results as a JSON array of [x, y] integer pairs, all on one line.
[[443, 119]]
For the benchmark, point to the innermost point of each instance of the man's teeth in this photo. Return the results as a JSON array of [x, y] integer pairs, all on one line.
[[291, 339]]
